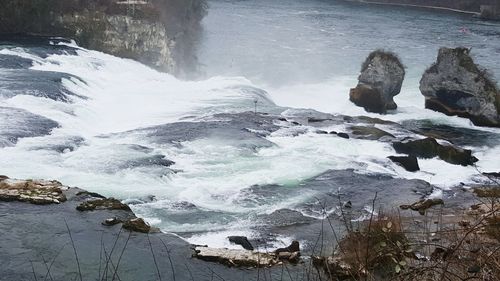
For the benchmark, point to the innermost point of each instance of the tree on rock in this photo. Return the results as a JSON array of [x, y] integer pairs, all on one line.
[[381, 78], [456, 86]]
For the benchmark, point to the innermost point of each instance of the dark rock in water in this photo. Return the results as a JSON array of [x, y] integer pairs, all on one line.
[[422, 205], [430, 148], [321, 132], [285, 217], [137, 225], [3, 178], [410, 163], [111, 221], [332, 133], [102, 204], [457, 135], [369, 132], [381, 78], [316, 120], [242, 241], [294, 247], [90, 194], [456, 86], [343, 135], [347, 205], [492, 174]]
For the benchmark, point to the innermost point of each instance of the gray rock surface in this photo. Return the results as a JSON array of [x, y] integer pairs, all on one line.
[[381, 78], [36, 235], [455, 85]]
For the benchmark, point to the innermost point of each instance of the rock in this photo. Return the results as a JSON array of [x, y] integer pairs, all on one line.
[[369, 132], [347, 205], [410, 163], [422, 205], [492, 174], [2, 178], [102, 204], [232, 257], [456, 86], [242, 241], [137, 225], [381, 78], [90, 194], [474, 269], [317, 120], [157, 33], [343, 135], [38, 192], [111, 221], [429, 148], [293, 257], [334, 266], [321, 132], [294, 247]]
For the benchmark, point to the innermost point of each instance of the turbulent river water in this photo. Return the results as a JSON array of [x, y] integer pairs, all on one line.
[[187, 156]]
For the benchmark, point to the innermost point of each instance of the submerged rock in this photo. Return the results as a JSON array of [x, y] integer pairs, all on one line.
[[456, 86], [381, 78], [38, 192], [410, 163], [430, 148]]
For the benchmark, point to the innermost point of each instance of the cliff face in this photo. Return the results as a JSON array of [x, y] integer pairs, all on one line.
[[160, 33]]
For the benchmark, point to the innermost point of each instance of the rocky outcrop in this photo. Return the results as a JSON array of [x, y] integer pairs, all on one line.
[[429, 148], [456, 86], [233, 257], [32, 191], [159, 33], [248, 258], [381, 78]]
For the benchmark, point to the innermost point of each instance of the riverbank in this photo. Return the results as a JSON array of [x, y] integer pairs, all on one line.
[[395, 3]]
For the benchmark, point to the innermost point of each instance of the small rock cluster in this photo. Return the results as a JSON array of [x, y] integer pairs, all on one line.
[[38, 192]]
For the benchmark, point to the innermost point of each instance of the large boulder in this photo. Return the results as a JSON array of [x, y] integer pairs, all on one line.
[[381, 78], [456, 86]]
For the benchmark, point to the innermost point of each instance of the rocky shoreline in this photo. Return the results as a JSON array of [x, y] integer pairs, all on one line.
[[486, 9]]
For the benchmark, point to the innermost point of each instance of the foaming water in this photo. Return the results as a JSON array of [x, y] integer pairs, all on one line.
[[131, 132]]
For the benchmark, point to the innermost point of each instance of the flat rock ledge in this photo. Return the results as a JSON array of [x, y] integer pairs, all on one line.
[[38, 192], [243, 258]]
